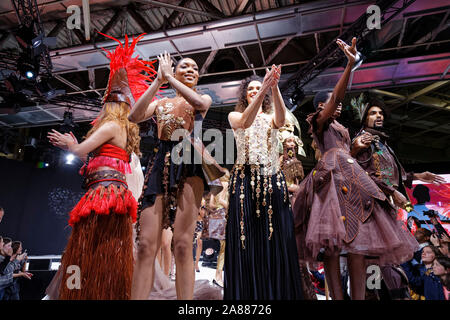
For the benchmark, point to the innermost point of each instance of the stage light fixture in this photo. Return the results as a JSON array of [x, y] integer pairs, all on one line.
[[68, 124], [28, 66], [69, 158]]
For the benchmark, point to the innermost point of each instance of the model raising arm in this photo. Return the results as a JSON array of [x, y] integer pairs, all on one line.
[[279, 117], [243, 120], [144, 107], [339, 91]]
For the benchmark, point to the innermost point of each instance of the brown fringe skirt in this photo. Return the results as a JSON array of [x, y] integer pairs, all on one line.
[[101, 246]]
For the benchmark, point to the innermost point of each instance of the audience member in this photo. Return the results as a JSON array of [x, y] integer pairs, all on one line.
[[441, 268], [424, 284]]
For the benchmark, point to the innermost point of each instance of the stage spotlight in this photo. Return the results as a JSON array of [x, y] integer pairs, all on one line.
[[143, 168], [69, 158], [28, 66], [46, 164]]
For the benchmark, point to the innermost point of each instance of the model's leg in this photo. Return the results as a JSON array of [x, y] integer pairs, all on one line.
[[333, 275], [187, 211], [198, 252], [166, 250], [357, 272], [220, 260], [149, 244]]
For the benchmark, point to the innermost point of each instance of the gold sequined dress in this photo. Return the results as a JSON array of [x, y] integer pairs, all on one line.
[[261, 255], [169, 167]]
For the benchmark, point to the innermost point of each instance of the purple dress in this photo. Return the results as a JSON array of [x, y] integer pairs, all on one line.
[[340, 208]]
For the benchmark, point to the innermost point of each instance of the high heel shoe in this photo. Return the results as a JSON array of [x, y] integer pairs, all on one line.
[[217, 284]]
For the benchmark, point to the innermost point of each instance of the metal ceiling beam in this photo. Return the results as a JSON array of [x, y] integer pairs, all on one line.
[[176, 14], [209, 7], [440, 28], [91, 73], [388, 93], [208, 61], [242, 7], [277, 50], [181, 9], [57, 28], [430, 129], [430, 36], [358, 28], [67, 82], [140, 20], [402, 33], [79, 35], [113, 21], [245, 57], [421, 92]]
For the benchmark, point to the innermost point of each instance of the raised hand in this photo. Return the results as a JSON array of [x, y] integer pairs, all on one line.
[[364, 140], [276, 75], [271, 78], [430, 178], [63, 141], [349, 51], [165, 68]]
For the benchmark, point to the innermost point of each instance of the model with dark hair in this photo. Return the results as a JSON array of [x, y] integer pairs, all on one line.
[[172, 192], [260, 253], [101, 240], [343, 205], [371, 149]]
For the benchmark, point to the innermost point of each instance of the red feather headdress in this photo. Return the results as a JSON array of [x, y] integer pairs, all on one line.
[[128, 77]]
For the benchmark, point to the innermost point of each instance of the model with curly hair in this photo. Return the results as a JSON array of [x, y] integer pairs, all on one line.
[[260, 252]]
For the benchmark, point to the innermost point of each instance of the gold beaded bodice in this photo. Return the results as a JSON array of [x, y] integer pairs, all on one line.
[[171, 114], [257, 167], [257, 145]]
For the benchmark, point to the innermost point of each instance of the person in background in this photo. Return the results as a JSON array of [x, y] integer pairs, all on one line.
[[198, 242], [424, 284], [13, 290], [2, 213], [441, 268], [8, 263], [422, 236]]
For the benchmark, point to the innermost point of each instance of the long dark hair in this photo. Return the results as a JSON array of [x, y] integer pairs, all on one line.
[[445, 262], [242, 103]]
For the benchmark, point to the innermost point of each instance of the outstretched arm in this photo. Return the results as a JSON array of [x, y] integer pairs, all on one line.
[[64, 141], [429, 178], [339, 90], [243, 120]]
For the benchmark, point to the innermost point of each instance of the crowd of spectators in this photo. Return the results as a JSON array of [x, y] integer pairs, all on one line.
[[12, 266]]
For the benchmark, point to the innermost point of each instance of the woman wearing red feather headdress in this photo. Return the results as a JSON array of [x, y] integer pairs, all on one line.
[[101, 240]]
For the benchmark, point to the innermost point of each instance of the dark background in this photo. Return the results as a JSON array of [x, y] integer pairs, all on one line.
[[37, 203]]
